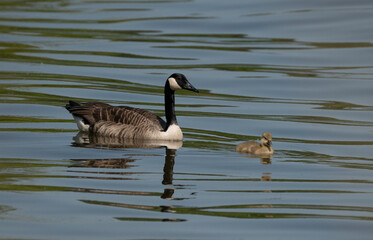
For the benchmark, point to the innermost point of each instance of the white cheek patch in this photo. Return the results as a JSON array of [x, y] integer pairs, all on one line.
[[173, 84]]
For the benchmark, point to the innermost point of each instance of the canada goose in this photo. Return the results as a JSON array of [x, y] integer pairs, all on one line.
[[132, 123], [264, 147]]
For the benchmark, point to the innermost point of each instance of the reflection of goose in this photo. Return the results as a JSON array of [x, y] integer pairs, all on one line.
[[132, 123], [121, 163], [94, 140], [89, 140], [264, 147]]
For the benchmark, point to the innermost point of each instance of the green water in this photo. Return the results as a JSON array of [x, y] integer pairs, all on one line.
[[299, 69]]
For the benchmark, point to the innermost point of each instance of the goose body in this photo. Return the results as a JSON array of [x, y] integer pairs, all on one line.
[[132, 123], [264, 147]]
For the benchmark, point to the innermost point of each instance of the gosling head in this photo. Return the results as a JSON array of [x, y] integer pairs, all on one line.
[[267, 139], [178, 81]]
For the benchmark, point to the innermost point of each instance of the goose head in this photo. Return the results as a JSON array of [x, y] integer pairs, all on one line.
[[266, 139], [178, 81]]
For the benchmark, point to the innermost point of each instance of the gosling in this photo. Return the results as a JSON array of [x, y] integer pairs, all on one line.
[[264, 147]]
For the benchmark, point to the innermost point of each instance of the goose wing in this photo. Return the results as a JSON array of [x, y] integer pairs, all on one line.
[[93, 113], [248, 147]]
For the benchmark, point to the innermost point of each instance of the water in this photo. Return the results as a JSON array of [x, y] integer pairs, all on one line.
[[299, 69]]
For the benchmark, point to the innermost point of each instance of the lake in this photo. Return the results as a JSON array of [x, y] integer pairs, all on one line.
[[301, 70]]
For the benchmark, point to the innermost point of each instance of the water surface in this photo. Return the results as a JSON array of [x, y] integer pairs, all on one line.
[[299, 69]]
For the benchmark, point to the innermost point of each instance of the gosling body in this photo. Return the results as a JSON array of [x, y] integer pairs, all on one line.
[[264, 147], [132, 123]]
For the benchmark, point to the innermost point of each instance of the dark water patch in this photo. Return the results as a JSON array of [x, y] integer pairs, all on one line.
[[206, 211], [151, 219]]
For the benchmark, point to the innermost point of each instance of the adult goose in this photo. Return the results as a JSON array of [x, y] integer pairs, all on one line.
[[264, 147], [132, 123]]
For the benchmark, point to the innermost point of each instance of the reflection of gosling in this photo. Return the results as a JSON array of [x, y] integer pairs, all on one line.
[[264, 147]]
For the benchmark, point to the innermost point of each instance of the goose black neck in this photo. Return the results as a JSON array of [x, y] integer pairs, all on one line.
[[169, 102]]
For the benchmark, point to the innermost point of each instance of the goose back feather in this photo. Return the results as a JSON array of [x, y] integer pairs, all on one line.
[[116, 121]]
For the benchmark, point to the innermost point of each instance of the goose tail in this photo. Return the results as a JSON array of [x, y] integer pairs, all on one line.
[[81, 122], [71, 105]]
